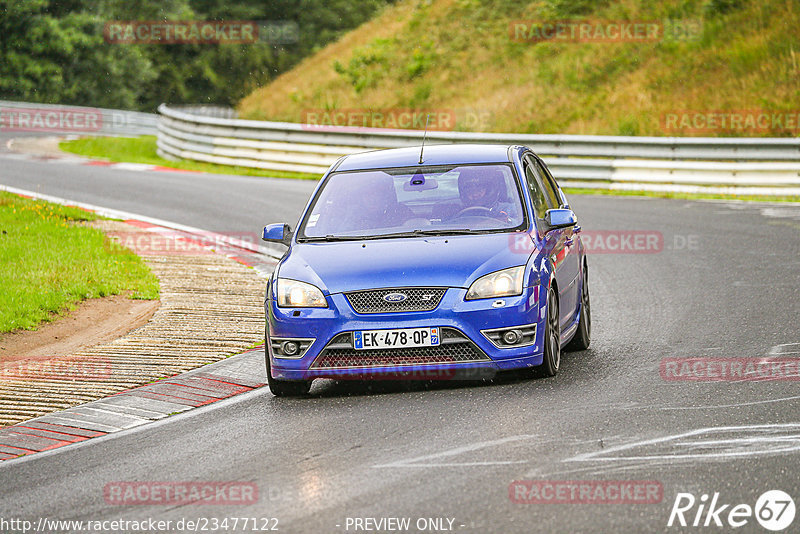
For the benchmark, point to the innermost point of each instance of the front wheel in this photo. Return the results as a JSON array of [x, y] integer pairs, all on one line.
[[552, 339], [584, 334]]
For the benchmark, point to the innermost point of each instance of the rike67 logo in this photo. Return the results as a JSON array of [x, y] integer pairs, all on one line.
[[774, 510]]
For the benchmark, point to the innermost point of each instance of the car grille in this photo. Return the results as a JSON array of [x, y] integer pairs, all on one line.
[[455, 347], [417, 299]]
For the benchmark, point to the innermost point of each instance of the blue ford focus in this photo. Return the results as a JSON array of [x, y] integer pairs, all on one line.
[[459, 260]]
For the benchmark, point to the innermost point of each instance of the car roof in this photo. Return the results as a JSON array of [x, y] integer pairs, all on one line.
[[432, 155]]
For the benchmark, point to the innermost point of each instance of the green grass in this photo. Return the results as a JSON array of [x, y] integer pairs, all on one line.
[[457, 55], [685, 196], [49, 261], [143, 150]]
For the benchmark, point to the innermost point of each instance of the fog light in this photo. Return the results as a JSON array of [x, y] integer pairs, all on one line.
[[512, 337], [290, 348]]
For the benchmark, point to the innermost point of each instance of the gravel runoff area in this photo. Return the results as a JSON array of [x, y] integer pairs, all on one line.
[[211, 308]]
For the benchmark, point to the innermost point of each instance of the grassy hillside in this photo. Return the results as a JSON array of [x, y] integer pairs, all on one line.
[[458, 55]]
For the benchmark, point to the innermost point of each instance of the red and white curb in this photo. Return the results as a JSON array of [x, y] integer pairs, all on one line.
[[135, 166], [146, 404], [188, 233], [135, 407], [74, 159]]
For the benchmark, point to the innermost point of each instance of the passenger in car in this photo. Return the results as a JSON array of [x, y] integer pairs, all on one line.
[[378, 206]]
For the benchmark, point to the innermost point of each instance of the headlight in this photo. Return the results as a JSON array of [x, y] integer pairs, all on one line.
[[294, 294], [505, 283]]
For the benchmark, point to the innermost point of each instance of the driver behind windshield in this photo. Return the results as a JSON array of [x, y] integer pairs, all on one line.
[[483, 192]]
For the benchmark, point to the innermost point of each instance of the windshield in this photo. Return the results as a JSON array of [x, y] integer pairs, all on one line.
[[467, 198]]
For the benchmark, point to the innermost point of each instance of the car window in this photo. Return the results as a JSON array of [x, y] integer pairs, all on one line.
[[535, 187], [550, 190], [380, 202]]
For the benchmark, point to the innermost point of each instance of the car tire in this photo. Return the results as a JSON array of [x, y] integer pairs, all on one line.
[[551, 360], [284, 388], [583, 336]]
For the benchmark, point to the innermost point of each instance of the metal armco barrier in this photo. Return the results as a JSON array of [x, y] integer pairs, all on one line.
[[55, 119], [752, 165], [767, 165]]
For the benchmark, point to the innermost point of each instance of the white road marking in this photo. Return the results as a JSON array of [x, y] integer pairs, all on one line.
[[777, 350], [738, 404], [125, 215], [457, 464], [114, 433], [726, 447], [590, 470], [415, 462], [134, 166]]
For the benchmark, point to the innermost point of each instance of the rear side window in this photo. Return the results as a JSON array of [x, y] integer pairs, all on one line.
[[535, 187], [550, 190]]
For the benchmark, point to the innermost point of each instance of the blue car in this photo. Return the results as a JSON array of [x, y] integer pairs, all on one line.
[[455, 261]]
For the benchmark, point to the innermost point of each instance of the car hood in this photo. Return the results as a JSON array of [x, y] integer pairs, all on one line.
[[445, 261]]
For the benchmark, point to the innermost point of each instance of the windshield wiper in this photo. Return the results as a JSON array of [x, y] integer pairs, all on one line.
[[413, 233], [329, 238], [417, 233], [453, 231]]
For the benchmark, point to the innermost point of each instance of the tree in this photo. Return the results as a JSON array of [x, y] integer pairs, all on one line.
[[54, 50]]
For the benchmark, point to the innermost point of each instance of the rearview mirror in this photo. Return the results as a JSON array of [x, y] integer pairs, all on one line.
[[559, 218], [419, 183], [277, 233]]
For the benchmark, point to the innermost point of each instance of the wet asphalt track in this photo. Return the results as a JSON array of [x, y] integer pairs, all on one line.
[[724, 285]]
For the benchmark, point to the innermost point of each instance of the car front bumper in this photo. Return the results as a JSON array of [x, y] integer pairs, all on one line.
[[466, 352]]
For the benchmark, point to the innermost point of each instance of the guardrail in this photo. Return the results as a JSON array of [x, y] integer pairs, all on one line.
[[766, 165], [56, 119], [213, 134]]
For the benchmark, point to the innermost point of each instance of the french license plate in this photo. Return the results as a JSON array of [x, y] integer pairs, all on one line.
[[397, 338]]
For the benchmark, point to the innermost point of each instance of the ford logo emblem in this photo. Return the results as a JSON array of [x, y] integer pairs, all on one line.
[[395, 297]]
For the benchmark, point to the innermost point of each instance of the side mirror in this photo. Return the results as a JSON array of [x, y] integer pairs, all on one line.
[[560, 218], [277, 233]]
